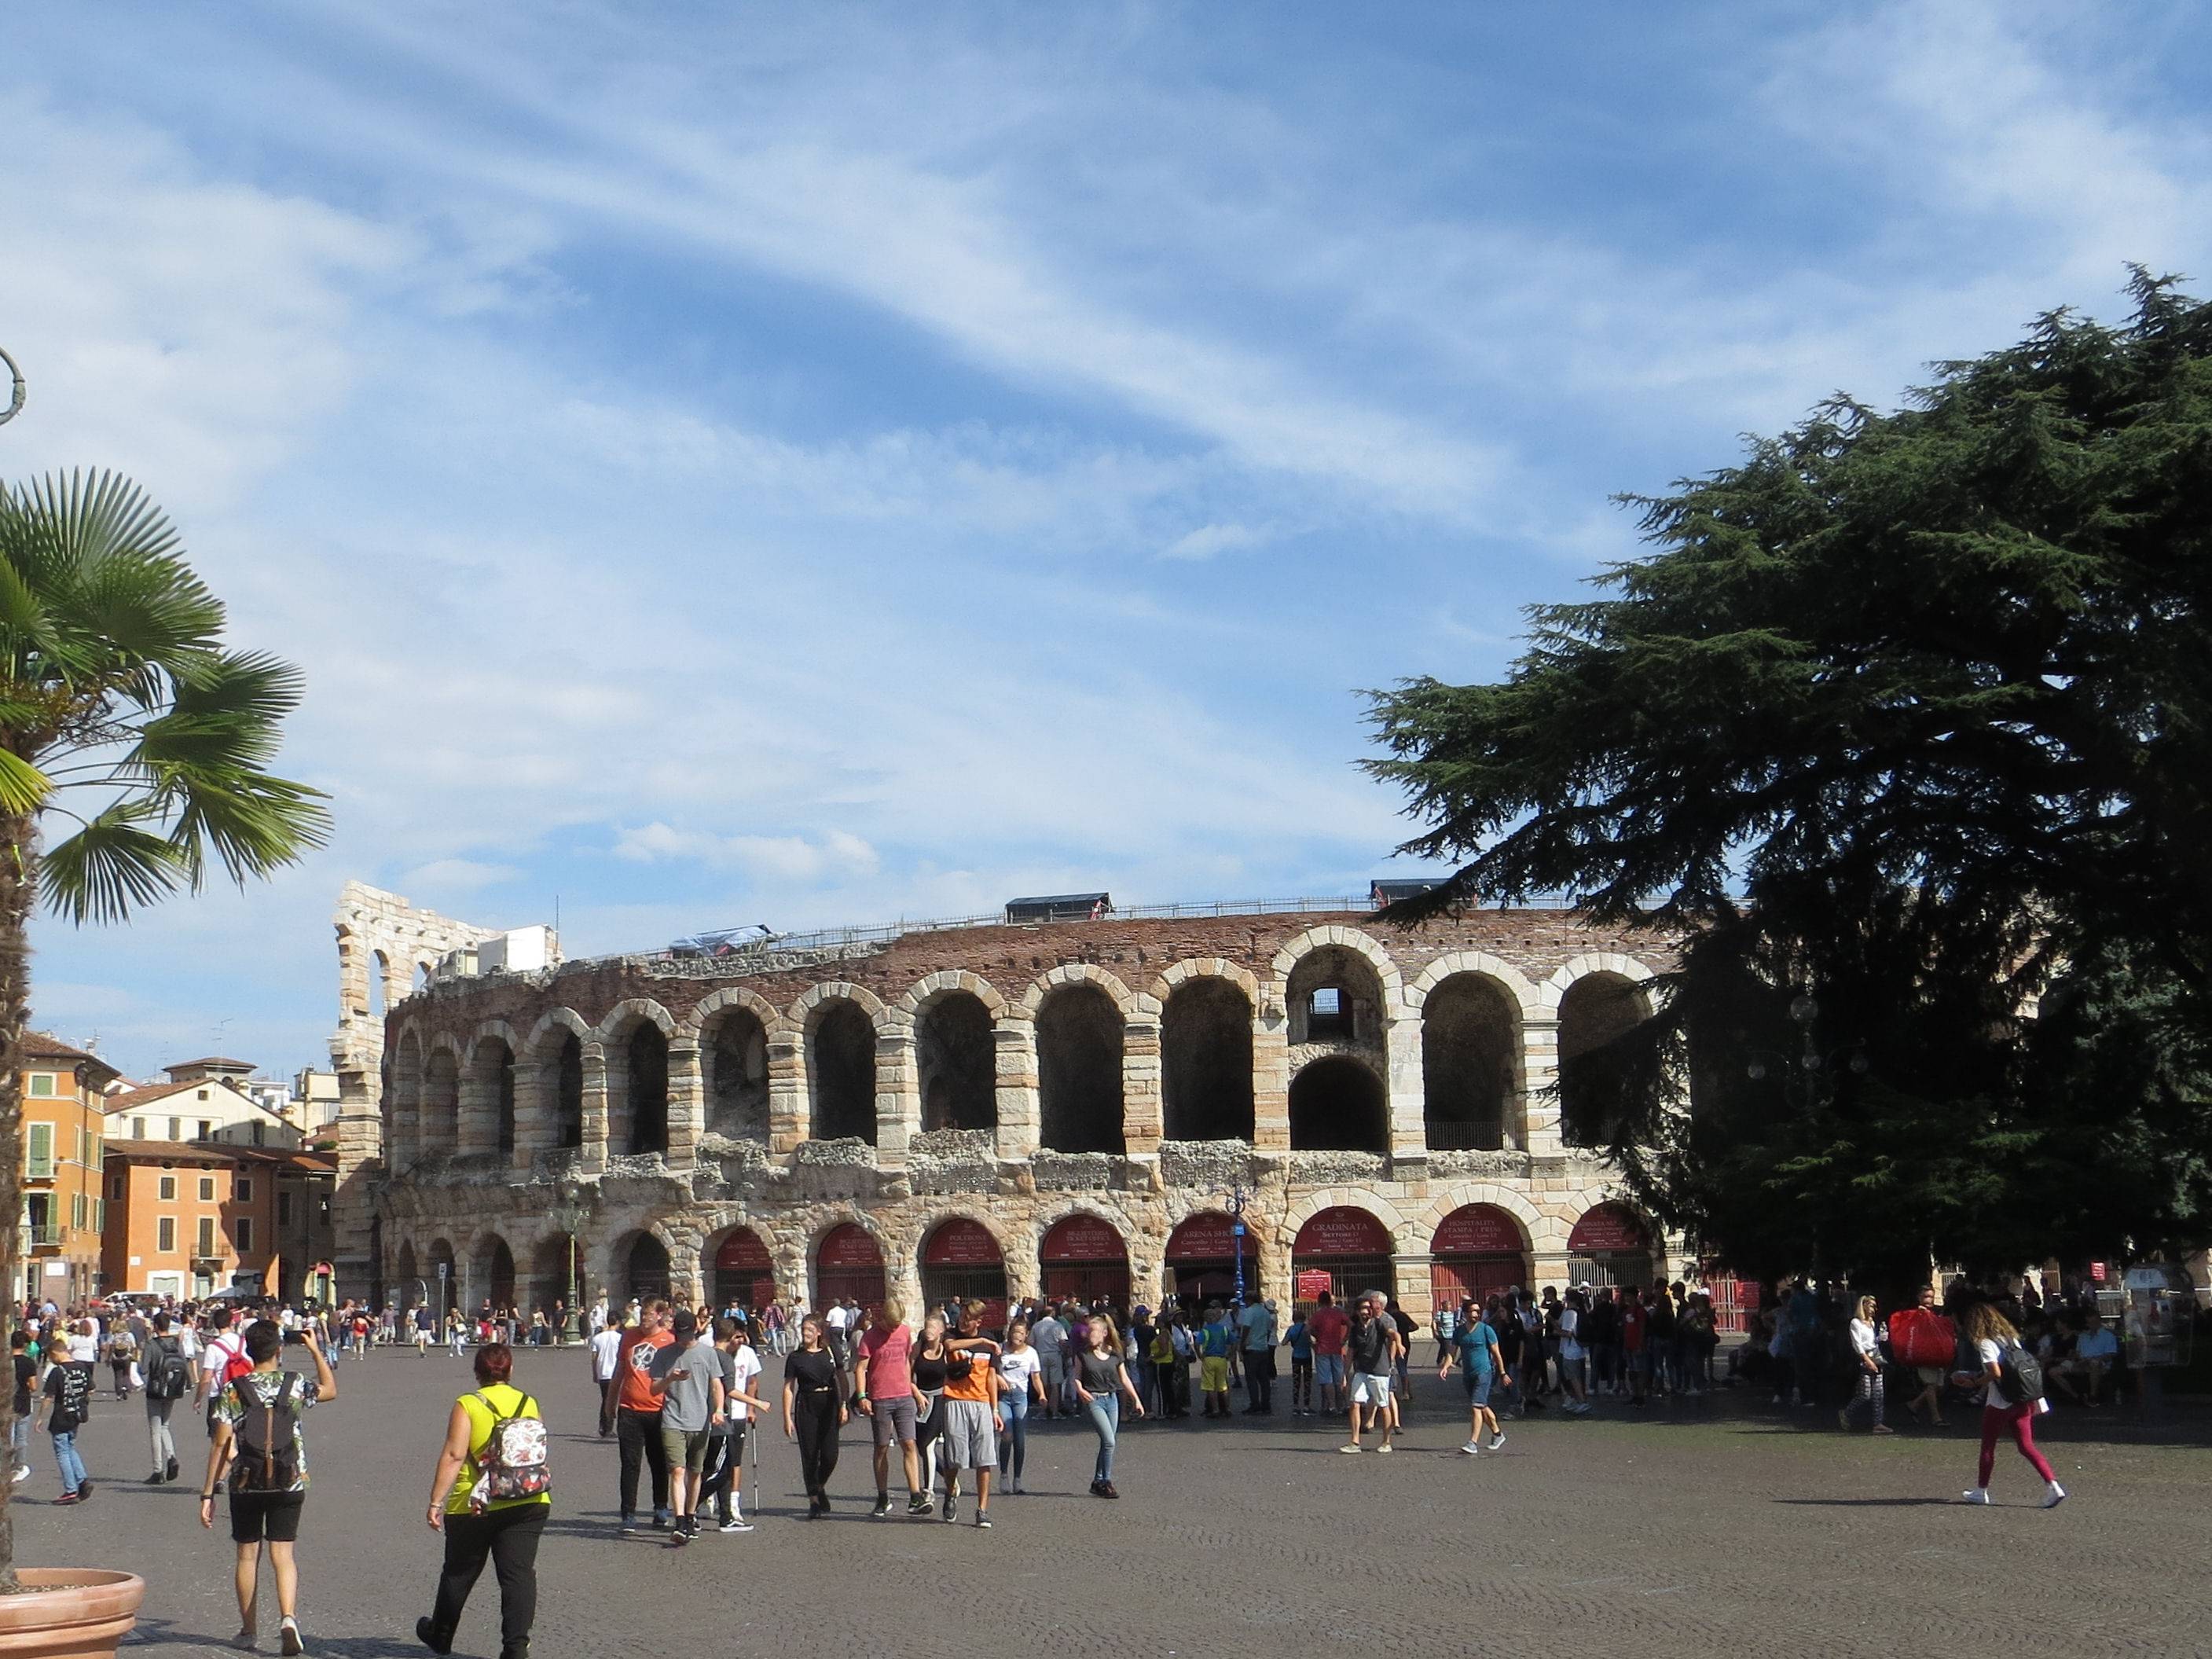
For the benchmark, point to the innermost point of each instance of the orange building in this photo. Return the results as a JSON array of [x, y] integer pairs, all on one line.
[[64, 1117], [188, 1218]]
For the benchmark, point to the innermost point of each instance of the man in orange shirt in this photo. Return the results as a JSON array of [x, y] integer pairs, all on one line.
[[970, 1438], [636, 1403]]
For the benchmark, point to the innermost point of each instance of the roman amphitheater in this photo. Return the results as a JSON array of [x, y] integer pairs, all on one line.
[[1127, 1106]]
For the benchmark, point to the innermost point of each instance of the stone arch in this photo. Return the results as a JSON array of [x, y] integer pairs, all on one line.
[[1352, 941], [642, 1262], [554, 1054], [635, 1037], [1131, 1006], [402, 1129], [1539, 1232], [559, 1274], [1334, 996], [439, 1120], [1474, 1059], [1525, 993], [490, 1118], [1596, 1007], [839, 1023], [491, 1273], [1081, 1026], [866, 1283], [930, 987], [751, 1278], [1338, 1104], [1615, 963], [953, 1020], [1208, 1008], [734, 1028], [1352, 1198], [990, 1283]]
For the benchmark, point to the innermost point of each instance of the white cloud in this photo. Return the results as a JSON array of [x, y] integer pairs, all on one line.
[[1210, 539], [790, 859]]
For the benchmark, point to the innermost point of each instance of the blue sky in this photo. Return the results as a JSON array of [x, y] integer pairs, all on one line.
[[720, 465]]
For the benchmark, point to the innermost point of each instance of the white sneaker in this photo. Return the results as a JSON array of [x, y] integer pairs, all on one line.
[[737, 1523], [2055, 1497], [22, 1474], [1979, 1495], [1470, 1449], [1497, 1440]]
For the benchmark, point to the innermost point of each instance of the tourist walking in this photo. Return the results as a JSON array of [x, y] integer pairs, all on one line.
[[18, 1422], [1021, 1381], [1102, 1382], [687, 1376], [260, 1447], [1299, 1340], [1217, 1340], [1256, 1329], [221, 1358], [1573, 1357], [1866, 1355], [68, 1387], [972, 1421], [720, 1497], [1474, 1349], [605, 1349], [1374, 1344], [1329, 1326], [169, 1378], [928, 1364], [490, 1501], [883, 1392], [2012, 1395], [814, 1410], [636, 1407]]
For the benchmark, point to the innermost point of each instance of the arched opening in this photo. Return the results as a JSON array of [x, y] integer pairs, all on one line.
[[848, 1266], [421, 976], [1610, 1245], [1085, 1260], [1478, 1250], [493, 1277], [379, 967], [1206, 1061], [402, 1142], [739, 1272], [1210, 1256], [841, 1073], [645, 1268], [961, 1261], [955, 1063], [494, 1069], [645, 1087], [1344, 1251], [1079, 1041], [568, 1091], [408, 1288], [734, 1058], [1470, 1062], [1334, 997], [441, 1103], [556, 1274], [1337, 1106], [1597, 1012]]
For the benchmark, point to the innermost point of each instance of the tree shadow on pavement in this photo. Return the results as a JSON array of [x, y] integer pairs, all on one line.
[[1869, 1502]]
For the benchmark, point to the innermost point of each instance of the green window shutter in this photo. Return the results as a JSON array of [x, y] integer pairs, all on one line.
[[39, 1160]]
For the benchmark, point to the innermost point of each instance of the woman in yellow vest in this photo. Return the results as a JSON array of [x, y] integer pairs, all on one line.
[[505, 1530]]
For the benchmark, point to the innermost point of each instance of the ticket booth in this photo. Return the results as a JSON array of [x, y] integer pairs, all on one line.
[[848, 1263], [1085, 1260], [742, 1271], [1350, 1246], [1203, 1256], [1610, 1245], [1476, 1251], [960, 1261]]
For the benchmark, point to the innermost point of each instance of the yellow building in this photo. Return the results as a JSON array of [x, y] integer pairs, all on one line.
[[64, 1118]]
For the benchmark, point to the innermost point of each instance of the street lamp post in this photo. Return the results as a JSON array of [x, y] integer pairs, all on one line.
[[15, 391], [1238, 1197]]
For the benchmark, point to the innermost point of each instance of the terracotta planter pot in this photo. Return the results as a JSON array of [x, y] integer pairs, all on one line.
[[68, 1612]]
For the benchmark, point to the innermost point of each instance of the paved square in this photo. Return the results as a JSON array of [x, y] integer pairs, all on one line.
[[1696, 1531]]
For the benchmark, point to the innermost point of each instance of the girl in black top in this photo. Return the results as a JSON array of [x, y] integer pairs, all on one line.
[[928, 1363], [1101, 1379], [813, 1411]]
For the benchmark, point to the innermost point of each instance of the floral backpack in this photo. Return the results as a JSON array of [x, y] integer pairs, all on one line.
[[514, 1462]]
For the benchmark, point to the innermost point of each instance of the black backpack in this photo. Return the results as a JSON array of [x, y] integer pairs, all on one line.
[[167, 1373], [266, 1447], [2019, 1374]]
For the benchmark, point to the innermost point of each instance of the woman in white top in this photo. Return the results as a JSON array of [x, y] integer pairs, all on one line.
[[1573, 1354], [1021, 1372], [1866, 1355], [1993, 1336]]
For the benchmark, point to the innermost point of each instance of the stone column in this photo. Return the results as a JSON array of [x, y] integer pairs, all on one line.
[[614, 1090], [476, 1120], [1142, 1124], [1405, 1089], [1270, 1074], [1013, 1061], [1410, 1269], [687, 1103], [786, 1092], [596, 1113], [537, 1093], [898, 1097], [1540, 1100]]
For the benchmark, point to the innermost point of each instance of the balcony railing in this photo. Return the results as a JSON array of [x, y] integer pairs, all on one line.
[[42, 1235], [1478, 1135]]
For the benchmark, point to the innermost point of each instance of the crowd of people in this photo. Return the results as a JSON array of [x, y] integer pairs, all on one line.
[[950, 1400]]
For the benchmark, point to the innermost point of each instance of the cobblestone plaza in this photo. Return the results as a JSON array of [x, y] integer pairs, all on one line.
[[1690, 1532]]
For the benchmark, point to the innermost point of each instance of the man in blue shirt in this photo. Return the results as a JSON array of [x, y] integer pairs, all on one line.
[[1214, 1341], [1474, 1351], [1256, 1325]]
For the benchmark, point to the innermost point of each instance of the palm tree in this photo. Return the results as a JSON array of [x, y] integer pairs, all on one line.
[[118, 695]]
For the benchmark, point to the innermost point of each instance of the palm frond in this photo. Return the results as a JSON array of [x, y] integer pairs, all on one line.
[[24, 787], [110, 867]]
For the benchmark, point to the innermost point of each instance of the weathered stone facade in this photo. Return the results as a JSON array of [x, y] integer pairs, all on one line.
[[1133, 1071]]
